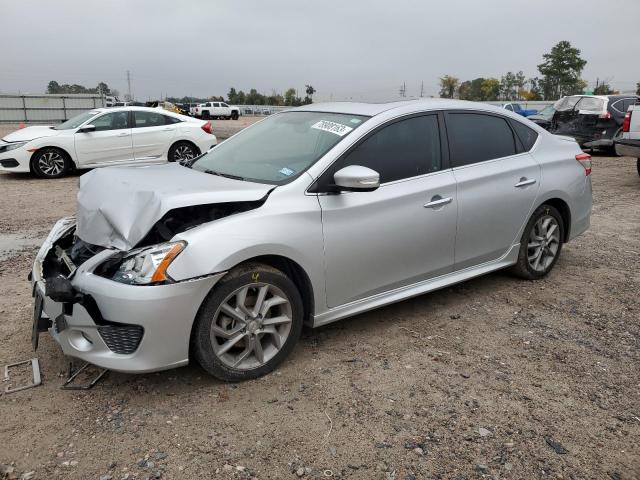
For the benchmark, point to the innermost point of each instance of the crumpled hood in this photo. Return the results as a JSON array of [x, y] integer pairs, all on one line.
[[117, 206], [29, 133]]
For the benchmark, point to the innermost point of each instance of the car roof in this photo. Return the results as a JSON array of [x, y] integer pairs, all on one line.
[[373, 109], [132, 108]]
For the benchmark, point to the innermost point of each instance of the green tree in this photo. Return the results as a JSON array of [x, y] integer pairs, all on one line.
[[464, 90], [103, 89], [53, 87], [509, 86], [602, 89], [490, 89], [232, 96], [309, 90], [448, 86], [535, 91], [290, 96], [561, 69]]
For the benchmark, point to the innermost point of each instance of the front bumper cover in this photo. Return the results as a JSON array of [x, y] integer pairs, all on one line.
[[127, 328]]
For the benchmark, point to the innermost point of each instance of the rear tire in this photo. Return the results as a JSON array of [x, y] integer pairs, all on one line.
[[205, 115], [234, 115], [241, 333], [638, 165], [182, 152], [541, 244], [51, 162]]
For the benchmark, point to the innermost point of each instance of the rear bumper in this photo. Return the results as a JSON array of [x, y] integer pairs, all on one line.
[[628, 148], [122, 327], [603, 142]]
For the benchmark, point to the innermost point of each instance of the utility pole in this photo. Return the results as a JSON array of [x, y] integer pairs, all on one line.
[[422, 89], [129, 85], [403, 90]]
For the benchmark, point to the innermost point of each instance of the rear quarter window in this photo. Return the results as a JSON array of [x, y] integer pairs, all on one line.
[[526, 135], [590, 104]]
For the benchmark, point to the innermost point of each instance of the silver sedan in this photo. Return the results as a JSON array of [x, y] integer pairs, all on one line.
[[307, 217]]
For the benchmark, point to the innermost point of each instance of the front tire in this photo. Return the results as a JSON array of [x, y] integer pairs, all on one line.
[[541, 244], [248, 324], [205, 115], [234, 115], [51, 163], [638, 165]]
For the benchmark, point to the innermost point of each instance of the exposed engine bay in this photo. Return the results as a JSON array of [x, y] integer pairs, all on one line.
[[70, 251]]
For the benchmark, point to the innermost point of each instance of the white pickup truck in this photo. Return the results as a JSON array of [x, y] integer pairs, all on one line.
[[628, 143], [216, 110]]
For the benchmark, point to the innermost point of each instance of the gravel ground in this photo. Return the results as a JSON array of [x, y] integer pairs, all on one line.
[[493, 378]]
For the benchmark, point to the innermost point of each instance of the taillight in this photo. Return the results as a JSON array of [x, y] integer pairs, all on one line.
[[584, 159], [626, 125], [207, 128]]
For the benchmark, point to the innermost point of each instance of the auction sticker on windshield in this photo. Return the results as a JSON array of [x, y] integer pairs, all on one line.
[[333, 127]]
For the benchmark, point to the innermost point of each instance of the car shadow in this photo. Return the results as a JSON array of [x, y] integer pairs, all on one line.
[[372, 324]]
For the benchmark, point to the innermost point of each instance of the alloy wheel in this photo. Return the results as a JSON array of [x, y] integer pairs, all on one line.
[[544, 242], [51, 163], [251, 326], [183, 153]]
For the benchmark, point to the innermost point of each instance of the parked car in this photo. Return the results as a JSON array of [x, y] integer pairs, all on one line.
[[516, 108], [105, 137], [543, 117], [628, 143], [217, 110], [593, 120], [310, 216]]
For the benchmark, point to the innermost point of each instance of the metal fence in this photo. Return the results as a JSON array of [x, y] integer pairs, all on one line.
[[45, 108]]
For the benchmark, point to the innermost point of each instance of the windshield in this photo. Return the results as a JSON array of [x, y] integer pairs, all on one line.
[[75, 122], [278, 149], [547, 111]]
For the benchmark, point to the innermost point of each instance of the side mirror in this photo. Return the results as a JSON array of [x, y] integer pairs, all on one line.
[[87, 128], [356, 178]]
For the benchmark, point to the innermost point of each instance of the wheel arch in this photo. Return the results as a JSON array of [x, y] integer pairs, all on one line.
[[296, 273], [71, 158], [565, 212]]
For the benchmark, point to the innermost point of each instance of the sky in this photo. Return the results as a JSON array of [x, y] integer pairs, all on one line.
[[348, 50]]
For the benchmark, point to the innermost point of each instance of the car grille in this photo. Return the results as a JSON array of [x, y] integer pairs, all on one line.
[[122, 339]]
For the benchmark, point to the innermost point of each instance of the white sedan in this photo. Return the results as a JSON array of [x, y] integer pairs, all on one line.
[[105, 137]]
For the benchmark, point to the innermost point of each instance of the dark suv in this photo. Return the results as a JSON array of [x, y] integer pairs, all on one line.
[[593, 120]]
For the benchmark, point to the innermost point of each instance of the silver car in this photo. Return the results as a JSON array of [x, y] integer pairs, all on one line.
[[307, 217]]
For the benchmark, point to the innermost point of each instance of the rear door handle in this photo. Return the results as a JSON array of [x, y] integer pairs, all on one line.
[[123, 134], [168, 129], [438, 201], [524, 181]]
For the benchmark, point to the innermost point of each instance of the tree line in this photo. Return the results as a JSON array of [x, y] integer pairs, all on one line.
[[560, 73], [102, 88]]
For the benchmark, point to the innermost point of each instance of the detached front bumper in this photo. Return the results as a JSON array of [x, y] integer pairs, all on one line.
[[121, 327]]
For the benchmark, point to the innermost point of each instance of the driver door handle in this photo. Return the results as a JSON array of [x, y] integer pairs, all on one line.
[[524, 181], [438, 201], [123, 134]]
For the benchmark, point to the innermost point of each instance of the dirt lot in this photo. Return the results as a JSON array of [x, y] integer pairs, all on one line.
[[494, 378]]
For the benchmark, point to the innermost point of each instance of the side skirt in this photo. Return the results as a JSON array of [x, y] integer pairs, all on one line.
[[403, 293]]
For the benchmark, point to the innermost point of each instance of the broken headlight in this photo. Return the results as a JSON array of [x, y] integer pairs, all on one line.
[[148, 265]]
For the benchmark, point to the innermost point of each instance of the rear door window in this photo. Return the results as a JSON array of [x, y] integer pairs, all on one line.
[[477, 137], [148, 119]]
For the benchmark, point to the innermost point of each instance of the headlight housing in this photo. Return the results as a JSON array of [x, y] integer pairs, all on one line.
[[11, 146], [148, 265]]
